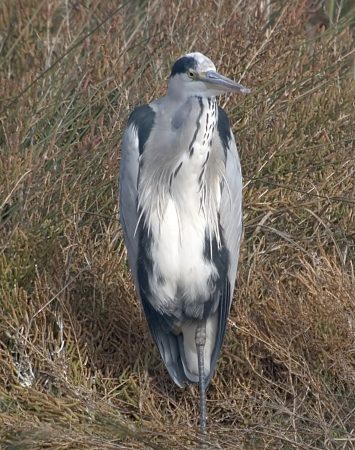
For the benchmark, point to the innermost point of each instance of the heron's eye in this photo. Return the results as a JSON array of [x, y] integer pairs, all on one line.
[[191, 74]]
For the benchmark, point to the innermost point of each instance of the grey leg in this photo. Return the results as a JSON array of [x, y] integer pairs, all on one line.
[[200, 339]]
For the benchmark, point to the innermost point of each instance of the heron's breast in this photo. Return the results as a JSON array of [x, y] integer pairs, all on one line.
[[181, 273]]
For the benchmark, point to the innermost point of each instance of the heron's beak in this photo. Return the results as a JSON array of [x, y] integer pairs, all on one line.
[[223, 83]]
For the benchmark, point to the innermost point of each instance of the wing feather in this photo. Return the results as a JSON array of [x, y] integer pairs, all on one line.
[[230, 216], [135, 137], [231, 200], [135, 235]]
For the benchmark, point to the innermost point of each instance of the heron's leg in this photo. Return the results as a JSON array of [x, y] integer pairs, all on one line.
[[200, 339]]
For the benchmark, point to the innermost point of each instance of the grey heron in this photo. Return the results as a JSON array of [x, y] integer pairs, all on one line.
[[181, 214]]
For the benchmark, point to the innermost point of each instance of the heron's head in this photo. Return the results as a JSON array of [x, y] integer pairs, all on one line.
[[195, 74]]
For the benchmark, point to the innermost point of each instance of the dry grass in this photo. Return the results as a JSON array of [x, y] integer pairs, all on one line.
[[78, 369]]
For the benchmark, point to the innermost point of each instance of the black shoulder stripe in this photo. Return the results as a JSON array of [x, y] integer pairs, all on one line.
[[224, 129], [143, 119]]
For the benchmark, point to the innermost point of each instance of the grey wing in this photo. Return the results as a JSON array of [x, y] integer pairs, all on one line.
[[231, 227], [129, 168], [231, 213], [135, 136]]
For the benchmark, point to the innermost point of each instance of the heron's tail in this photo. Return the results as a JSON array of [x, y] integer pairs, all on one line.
[[178, 349]]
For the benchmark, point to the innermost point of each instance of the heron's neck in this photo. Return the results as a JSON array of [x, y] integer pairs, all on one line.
[[189, 171], [203, 119]]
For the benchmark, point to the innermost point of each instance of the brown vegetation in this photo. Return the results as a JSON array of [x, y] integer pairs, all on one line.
[[78, 368]]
